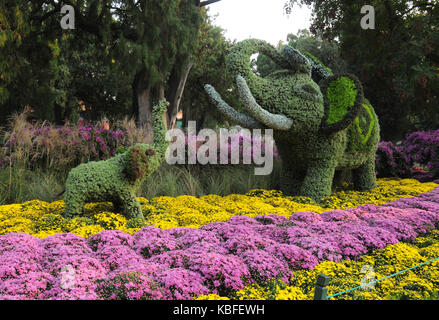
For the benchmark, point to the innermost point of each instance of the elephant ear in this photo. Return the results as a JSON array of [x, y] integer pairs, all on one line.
[[136, 163], [343, 100]]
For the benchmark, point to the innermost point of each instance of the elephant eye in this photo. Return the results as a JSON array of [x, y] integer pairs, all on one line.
[[309, 89]]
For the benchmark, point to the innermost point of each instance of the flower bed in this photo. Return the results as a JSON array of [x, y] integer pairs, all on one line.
[[261, 238], [416, 157], [420, 283], [43, 219]]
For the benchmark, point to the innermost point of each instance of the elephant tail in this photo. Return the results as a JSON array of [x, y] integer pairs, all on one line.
[[160, 143]]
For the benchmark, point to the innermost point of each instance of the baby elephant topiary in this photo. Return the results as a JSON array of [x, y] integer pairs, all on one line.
[[117, 180]]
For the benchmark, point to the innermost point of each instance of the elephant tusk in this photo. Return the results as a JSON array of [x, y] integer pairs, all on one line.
[[230, 113], [274, 121]]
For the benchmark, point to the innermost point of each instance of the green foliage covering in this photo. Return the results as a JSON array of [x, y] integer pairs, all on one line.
[[334, 128], [343, 101], [363, 134], [341, 95], [136, 163], [274, 91], [265, 65], [118, 179]]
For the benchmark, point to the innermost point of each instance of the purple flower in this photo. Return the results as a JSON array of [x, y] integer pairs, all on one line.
[[181, 284], [320, 247], [32, 285], [222, 273], [110, 238], [129, 286], [149, 242], [302, 219], [264, 266], [118, 257], [296, 257]]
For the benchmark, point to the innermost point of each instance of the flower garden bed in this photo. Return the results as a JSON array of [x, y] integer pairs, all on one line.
[[261, 245]]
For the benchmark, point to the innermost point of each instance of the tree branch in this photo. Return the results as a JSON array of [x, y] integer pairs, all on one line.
[[426, 5], [206, 3]]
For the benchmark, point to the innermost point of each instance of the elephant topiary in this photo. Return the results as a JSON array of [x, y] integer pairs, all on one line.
[[322, 123], [117, 180]]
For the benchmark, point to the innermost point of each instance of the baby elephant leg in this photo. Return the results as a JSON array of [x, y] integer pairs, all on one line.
[[74, 205], [130, 207], [318, 181], [365, 176]]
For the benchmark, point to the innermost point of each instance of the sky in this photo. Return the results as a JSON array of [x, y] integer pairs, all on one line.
[[261, 19]]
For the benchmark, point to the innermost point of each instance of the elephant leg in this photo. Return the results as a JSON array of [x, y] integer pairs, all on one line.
[[129, 205], [365, 176], [318, 180]]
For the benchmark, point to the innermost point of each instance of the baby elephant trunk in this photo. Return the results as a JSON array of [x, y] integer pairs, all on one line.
[[160, 143], [56, 196]]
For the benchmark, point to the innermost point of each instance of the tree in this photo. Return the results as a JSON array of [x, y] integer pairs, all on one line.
[[51, 69], [27, 58], [397, 62], [151, 41], [95, 76], [209, 67]]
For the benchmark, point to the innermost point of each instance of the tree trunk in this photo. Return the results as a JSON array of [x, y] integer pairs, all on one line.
[[61, 114], [186, 110], [144, 97], [57, 112], [177, 82]]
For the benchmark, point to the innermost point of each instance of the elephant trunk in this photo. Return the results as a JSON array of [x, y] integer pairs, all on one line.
[[238, 64], [273, 121]]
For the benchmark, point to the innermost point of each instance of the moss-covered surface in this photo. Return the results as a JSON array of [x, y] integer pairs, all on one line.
[[334, 127], [117, 180], [341, 94]]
